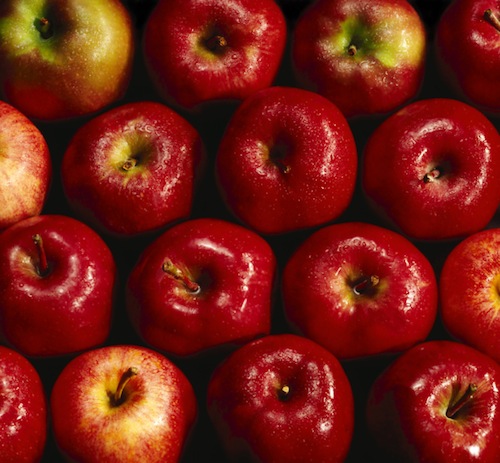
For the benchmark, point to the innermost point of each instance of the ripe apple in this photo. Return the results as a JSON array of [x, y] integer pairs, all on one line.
[[23, 409], [470, 291], [359, 289], [367, 56], [433, 169], [466, 40], [122, 403], [282, 398], [133, 169], [203, 283], [200, 51], [287, 161], [57, 280], [61, 59], [438, 402], [26, 167]]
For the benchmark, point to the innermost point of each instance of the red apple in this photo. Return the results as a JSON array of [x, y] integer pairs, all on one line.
[[133, 169], [57, 281], [203, 283], [367, 56], [466, 41], [433, 169], [61, 59], [122, 403], [359, 290], [282, 398], [438, 402], [200, 51], [286, 161], [26, 167], [23, 410]]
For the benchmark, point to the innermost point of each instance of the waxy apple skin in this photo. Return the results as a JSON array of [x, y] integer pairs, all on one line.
[[233, 270], [25, 167], [287, 161], [433, 169], [150, 420], [61, 59], [133, 169], [206, 51], [23, 411], [469, 291], [359, 290], [282, 398], [366, 56], [408, 405], [467, 50], [65, 306]]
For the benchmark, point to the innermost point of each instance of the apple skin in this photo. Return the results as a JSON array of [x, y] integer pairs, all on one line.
[[328, 296], [287, 161], [133, 169], [26, 167], [77, 63], [187, 64], [433, 169], [65, 308], [466, 45], [408, 403], [150, 420], [23, 414], [469, 291], [366, 56], [234, 271]]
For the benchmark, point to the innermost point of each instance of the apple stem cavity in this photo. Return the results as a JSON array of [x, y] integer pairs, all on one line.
[[284, 393], [44, 26], [432, 175], [492, 18], [216, 43], [178, 274], [366, 285], [129, 164], [42, 268], [454, 409], [118, 397], [352, 50]]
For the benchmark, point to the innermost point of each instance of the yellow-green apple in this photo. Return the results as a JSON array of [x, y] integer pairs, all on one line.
[[360, 290], [64, 58], [26, 167], [438, 402], [468, 52], [470, 291], [57, 281], [287, 161], [433, 169], [122, 403], [23, 409], [200, 51], [367, 56], [282, 398], [204, 283], [133, 169]]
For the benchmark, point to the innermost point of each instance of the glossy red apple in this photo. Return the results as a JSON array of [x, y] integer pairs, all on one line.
[[282, 398], [204, 51], [133, 169], [57, 280], [25, 167], [466, 41], [122, 403], [367, 56], [287, 161], [359, 290], [437, 402], [203, 283], [61, 59], [433, 169], [23, 410]]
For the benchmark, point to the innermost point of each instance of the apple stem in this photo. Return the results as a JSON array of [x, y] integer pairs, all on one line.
[[352, 50], [117, 398], [455, 408], [492, 18], [171, 269], [42, 267], [366, 284], [284, 393], [432, 175], [129, 164], [216, 43], [44, 26]]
